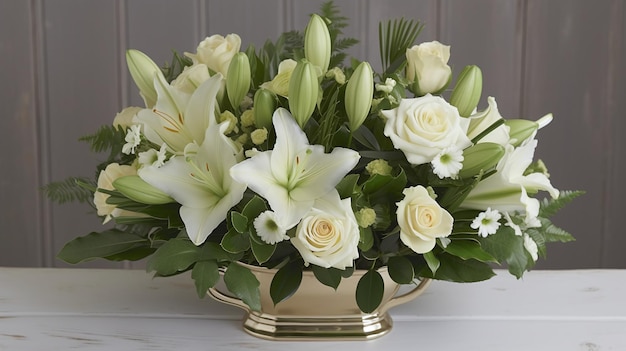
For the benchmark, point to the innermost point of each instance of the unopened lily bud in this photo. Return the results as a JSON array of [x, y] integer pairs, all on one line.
[[264, 105], [520, 130], [479, 157], [467, 91], [317, 45], [238, 79], [143, 69], [359, 91], [136, 189], [303, 92]]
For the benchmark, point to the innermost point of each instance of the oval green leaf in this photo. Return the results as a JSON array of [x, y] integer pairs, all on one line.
[[369, 291]]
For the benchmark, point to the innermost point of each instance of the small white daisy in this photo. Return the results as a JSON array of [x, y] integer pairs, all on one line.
[[269, 229], [487, 222], [133, 138], [448, 162]]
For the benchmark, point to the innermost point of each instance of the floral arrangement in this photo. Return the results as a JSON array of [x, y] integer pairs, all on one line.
[[287, 157]]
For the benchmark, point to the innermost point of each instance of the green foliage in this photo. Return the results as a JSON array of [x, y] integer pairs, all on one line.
[[369, 291], [394, 38], [175, 256], [172, 70], [95, 245], [286, 281], [240, 281], [549, 207], [107, 138], [336, 23], [205, 275], [455, 269], [69, 190], [400, 270], [327, 276]]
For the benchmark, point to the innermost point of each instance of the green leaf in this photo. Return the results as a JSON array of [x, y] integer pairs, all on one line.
[[68, 190], [432, 261], [394, 37], [286, 281], [549, 207], [205, 275], [240, 281], [97, 245], [174, 256], [134, 254], [507, 247], [346, 186], [455, 269], [386, 184], [239, 221], [400, 269], [214, 251], [369, 291], [552, 233], [366, 240], [327, 276], [235, 242], [469, 249], [262, 252], [254, 208]]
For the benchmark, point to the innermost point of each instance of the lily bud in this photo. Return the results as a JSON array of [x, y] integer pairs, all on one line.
[[317, 46], [136, 189], [359, 94], [481, 156], [264, 106], [467, 91], [303, 92], [142, 69], [520, 130], [238, 79]]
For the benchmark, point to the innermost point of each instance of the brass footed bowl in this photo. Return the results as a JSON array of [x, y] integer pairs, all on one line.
[[318, 312]]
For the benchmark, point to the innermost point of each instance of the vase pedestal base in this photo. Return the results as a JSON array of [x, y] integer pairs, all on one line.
[[363, 327]]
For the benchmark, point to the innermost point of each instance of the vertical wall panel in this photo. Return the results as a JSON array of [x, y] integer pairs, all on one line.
[[19, 194], [82, 92], [567, 73], [253, 21], [156, 28], [487, 33], [423, 11], [615, 240]]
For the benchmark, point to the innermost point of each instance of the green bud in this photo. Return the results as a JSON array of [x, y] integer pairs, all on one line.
[[303, 92], [317, 45], [142, 69], [264, 106], [365, 217], [238, 79], [359, 94], [467, 91], [136, 189], [479, 157], [520, 130]]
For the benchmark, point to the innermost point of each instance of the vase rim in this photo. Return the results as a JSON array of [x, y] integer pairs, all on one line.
[[357, 272]]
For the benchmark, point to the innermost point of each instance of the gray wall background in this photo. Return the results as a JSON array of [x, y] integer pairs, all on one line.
[[63, 74]]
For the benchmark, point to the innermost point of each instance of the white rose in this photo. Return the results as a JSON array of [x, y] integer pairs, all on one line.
[[191, 77], [328, 235], [428, 64], [422, 220], [105, 181], [216, 52], [280, 84], [124, 118], [425, 126]]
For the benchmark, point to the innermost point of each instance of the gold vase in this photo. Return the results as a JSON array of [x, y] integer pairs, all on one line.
[[318, 312]]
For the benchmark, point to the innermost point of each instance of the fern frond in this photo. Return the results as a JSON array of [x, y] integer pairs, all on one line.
[[394, 38], [175, 68], [549, 207], [69, 190], [107, 138]]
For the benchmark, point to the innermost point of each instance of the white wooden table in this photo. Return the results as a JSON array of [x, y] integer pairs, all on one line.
[[90, 309]]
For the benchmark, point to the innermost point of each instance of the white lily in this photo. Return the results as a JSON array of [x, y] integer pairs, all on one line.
[[179, 118], [200, 182], [506, 190], [294, 174]]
